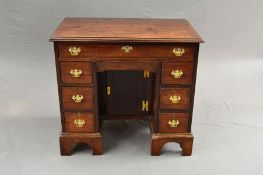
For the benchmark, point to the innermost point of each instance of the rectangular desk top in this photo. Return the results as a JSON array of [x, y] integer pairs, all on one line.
[[125, 30]]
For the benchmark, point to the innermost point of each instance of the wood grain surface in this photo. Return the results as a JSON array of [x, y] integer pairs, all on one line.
[[70, 117], [166, 103], [186, 77], [123, 30], [85, 105], [85, 77], [166, 117], [115, 50]]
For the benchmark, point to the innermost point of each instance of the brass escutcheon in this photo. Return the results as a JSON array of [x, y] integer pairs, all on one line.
[[79, 123], [178, 51], [173, 123], [177, 73], [77, 98], [75, 73], [74, 51], [175, 98], [127, 49], [146, 74]]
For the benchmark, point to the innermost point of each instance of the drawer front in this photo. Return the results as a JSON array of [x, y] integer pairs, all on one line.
[[76, 72], [79, 122], [177, 51], [173, 122], [77, 98], [175, 98], [177, 73]]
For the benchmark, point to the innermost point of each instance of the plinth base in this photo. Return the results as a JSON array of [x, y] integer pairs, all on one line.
[[159, 139], [68, 140]]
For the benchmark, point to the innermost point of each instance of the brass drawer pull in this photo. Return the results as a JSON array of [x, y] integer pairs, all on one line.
[[77, 98], [74, 51], [79, 123], [175, 99], [145, 105], [127, 49], [76, 73], [108, 90], [178, 51], [177, 73], [146, 74], [173, 123]]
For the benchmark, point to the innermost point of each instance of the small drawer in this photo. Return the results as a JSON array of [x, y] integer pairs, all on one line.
[[79, 122], [173, 122], [175, 98], [77, 98], [177, 51], [76, 72], [177, 73]]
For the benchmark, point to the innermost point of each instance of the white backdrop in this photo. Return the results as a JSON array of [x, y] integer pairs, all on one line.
[[228, 114]]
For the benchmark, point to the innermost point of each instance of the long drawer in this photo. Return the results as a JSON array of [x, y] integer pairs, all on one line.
[[177, 51]]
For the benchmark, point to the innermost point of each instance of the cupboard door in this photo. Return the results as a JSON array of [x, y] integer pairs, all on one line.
[[127, 93]]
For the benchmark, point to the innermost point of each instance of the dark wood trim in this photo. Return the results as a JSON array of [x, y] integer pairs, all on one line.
[[95, 96], [127, 40], [144, 59], [68, 140], [193, 89], [121, 65], [108, 29], [172, 110], [176, 85], [158, 140], [130, 117], [59, 87], [157, 98], [76, 85]]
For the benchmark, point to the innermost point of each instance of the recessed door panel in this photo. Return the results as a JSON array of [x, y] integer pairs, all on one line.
[[126, 93]]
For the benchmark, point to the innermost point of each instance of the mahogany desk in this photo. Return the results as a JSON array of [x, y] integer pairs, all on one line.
[[118, 69]]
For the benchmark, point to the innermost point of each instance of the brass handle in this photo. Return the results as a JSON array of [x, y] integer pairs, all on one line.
[[108, 90], [175, 98], [145, 105], [146, 74], [75, 73], [173, 123], [79, 123], [178, 51], [177, 73], [77, 98], [74, 51], [127, 49]]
